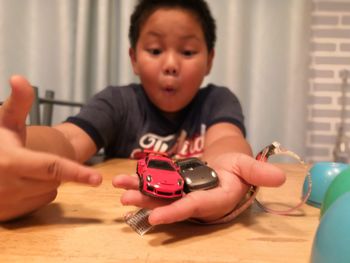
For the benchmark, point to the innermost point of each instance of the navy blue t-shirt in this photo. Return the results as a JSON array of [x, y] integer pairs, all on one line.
[[123, 121]]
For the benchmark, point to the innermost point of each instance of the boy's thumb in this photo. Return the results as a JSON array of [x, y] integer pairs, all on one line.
[[15, 109]]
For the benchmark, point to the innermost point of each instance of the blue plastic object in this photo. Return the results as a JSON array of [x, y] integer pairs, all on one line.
[[322, 174], [332, 239]]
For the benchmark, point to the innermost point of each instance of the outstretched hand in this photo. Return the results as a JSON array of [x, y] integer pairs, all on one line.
[[235, 172], [29, 179]]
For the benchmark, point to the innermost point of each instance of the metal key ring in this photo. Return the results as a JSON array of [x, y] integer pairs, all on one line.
[[275, 148]]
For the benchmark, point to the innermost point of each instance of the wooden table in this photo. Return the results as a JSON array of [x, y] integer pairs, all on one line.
[[86, 224]]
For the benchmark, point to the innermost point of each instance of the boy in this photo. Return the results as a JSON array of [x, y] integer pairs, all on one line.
[[172, 49]]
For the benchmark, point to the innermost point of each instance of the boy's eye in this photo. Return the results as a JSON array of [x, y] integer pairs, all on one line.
[[154, 51], [188, 53]]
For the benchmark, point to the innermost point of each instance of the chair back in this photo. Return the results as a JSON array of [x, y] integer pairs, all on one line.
[[43, 115]]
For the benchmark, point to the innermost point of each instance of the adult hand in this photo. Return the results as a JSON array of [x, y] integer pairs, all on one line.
[[234, 170], [29, 179]]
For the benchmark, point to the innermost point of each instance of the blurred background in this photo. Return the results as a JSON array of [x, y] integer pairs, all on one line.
[[282, 58]]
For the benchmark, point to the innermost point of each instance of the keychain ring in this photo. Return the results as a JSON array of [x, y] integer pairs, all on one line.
[[275, 148]]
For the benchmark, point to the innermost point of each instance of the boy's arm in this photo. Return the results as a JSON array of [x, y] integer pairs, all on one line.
[[223, 138], [66, 140], [29, 178], [50, 140]]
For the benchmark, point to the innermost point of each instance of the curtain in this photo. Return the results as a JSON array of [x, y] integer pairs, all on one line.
[[262, 55], [78, 47], [74, 47]]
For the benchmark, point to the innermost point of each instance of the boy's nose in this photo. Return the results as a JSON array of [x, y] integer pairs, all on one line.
[[171, 71], [171, 67]]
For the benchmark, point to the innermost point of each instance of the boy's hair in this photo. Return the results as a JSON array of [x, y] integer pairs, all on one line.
[[144, 9]]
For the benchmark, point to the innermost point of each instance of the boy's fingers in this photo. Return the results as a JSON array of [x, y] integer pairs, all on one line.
[[48, 167], [259, 173], [136, 198], [126, 181], [180, 210], [170, 214], [15, 109], [170, 211]]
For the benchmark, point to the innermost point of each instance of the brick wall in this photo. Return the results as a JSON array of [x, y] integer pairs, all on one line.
[[330, 54]]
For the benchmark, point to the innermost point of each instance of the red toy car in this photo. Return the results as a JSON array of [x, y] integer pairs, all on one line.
[[159, 176]]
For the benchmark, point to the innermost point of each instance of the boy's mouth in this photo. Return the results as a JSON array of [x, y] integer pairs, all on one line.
[[169, 90]]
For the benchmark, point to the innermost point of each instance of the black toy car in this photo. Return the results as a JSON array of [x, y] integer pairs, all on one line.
[[197, 175]]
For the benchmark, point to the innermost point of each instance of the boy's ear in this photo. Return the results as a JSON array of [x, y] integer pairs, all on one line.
[[132, 55], [211, 56]]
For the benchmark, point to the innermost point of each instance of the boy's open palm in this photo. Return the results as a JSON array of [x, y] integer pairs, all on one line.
[[233, 170], [29, 179]]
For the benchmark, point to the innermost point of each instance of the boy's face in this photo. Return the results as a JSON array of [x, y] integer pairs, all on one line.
[[171, 58]]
